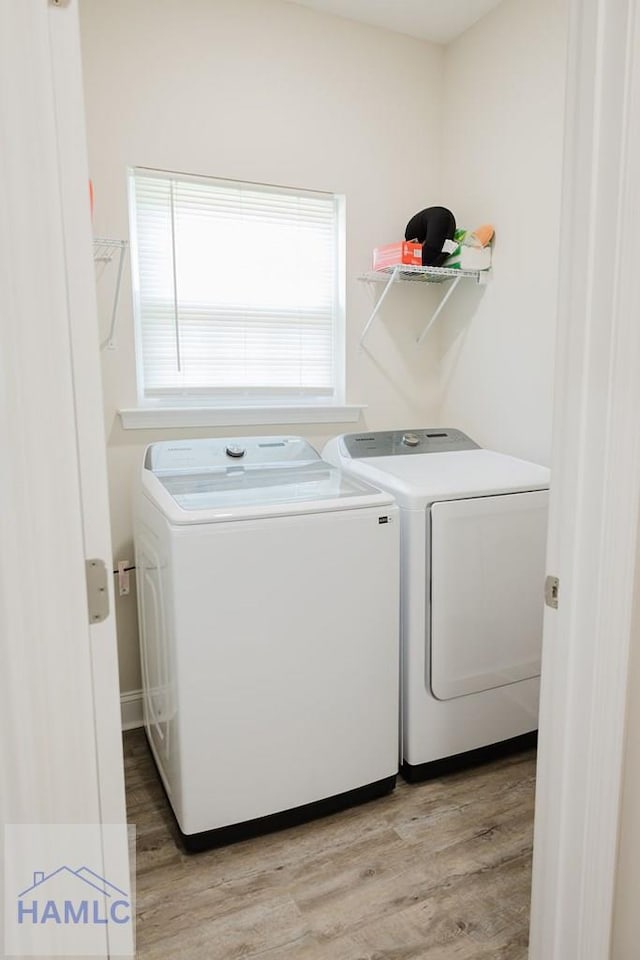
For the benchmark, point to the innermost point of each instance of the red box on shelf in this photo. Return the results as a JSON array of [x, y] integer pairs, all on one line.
[[392, 254]]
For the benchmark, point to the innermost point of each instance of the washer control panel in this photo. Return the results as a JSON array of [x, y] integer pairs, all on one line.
[[169, 457], [393, 443]]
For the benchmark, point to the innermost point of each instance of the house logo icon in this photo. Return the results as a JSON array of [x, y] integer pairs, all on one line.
[[72, 897]]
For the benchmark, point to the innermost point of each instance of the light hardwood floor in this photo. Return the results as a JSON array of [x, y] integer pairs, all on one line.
[[439, 870]]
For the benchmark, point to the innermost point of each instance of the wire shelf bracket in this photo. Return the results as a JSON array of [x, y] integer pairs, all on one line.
[[104, 251], [404, 272]]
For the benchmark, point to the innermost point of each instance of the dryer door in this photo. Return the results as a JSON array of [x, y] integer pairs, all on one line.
[[487, 582]]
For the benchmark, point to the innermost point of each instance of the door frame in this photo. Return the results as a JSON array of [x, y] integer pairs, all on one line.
[[59, 686], [594, 507], [73, 173]]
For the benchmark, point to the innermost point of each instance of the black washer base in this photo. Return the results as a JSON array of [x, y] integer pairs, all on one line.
[[235, 832], [415, 773], [208, 839]]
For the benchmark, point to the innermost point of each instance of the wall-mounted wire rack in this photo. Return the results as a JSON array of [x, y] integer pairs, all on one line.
[[402, 272], [104, 251]]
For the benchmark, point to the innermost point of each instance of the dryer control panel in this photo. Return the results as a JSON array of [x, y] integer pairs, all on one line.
[[391, 443]]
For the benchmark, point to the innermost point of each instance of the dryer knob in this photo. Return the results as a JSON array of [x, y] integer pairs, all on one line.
[[235, 451], [410, 440]]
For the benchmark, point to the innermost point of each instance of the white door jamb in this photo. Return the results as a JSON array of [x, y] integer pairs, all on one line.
[[595, 492]]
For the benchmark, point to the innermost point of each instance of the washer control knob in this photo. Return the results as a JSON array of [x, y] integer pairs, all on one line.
[[235, 451], [410, 440]]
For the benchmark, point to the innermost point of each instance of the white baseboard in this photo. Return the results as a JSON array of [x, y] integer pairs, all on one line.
[[131, 709]]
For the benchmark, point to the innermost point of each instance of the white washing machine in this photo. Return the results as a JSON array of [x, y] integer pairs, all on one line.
[[268, 597], [473, 534]]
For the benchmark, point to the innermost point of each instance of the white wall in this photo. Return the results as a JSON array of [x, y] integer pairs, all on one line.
[[269, 91], [272, 92], [501, 162]]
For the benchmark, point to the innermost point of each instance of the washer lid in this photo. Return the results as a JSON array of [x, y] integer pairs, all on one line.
[[203, 481], [421, 479]]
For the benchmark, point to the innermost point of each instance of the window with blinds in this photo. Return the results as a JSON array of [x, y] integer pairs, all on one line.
[[237, 289]]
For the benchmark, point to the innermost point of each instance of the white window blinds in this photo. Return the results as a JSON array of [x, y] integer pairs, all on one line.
[[236, 290]]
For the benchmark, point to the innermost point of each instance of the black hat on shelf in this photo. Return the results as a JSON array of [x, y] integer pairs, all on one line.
[[431, 227]]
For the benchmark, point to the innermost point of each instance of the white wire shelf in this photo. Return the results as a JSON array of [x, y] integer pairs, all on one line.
[[104, 251], [403, 272]]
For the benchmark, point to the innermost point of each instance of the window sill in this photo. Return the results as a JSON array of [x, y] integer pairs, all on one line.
[[149, 418]]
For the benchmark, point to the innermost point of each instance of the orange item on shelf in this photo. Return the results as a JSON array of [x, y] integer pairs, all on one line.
[[393, 253], [483, 235]]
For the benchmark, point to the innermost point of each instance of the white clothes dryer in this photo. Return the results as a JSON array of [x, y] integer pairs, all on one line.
[[473, 538], [268, 592]]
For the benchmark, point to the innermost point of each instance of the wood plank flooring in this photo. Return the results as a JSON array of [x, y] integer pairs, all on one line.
[[439, 870]]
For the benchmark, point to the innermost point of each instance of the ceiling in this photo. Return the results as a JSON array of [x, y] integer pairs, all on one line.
[[437, 20]]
